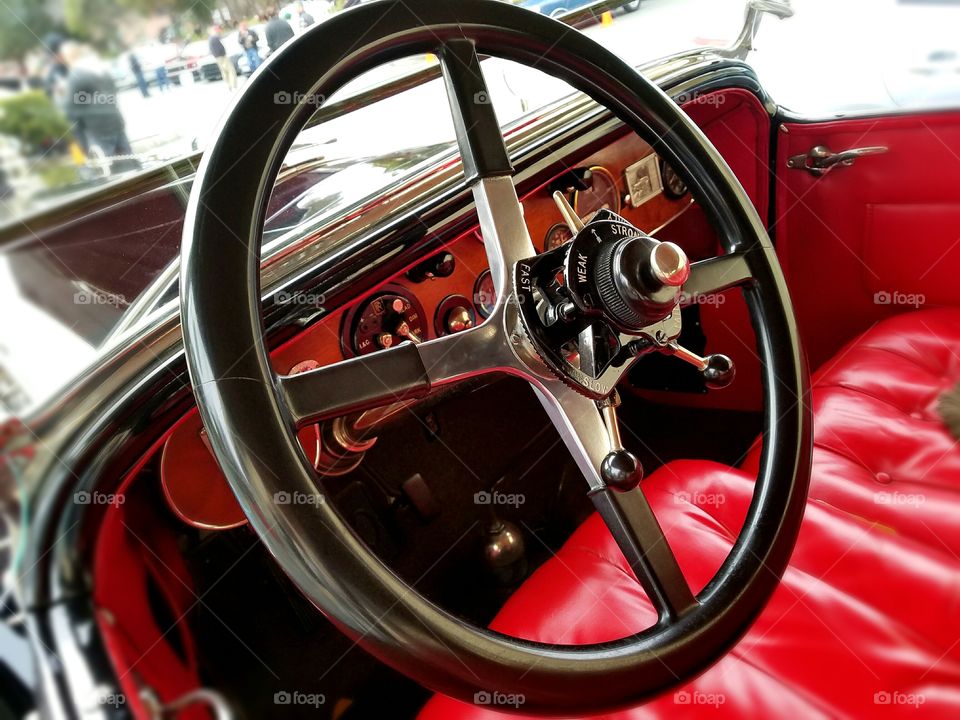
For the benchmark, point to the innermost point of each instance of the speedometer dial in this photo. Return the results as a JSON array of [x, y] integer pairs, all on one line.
[[485, 294], [601, 193], [556, 236]]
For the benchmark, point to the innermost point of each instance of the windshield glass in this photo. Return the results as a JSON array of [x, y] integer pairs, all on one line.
[[102, 124]]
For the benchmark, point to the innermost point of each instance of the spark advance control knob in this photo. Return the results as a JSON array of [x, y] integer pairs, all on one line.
[[614, 270], [638, 280]]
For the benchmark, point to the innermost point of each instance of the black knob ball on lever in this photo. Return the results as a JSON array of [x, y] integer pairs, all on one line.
[[718, 370], [621, 470]]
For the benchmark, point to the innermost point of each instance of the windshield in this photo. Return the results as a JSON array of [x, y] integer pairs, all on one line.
[[102, 124]]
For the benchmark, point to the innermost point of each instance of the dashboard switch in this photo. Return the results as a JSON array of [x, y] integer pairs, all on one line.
[[440, 265], [459, 319], [455, 313]]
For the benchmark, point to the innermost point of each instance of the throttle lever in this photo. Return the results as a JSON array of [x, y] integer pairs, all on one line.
[[620, 469], [718, 370]]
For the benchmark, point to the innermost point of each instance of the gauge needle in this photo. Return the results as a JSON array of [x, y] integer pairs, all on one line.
[[568, 213]]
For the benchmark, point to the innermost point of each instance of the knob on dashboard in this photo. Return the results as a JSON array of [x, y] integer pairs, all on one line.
[[440, 265], [458, 319], [455, 313]]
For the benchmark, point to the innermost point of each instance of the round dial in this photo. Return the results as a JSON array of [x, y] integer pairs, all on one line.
[[673, 184], [386, 320], [602, 193], [485, 294], [557, 236]]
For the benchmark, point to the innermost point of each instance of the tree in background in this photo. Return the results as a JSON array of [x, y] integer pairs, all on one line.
[[22, 24], [96, 20]]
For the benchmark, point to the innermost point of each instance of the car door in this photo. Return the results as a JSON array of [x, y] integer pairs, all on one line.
[[873, 235]]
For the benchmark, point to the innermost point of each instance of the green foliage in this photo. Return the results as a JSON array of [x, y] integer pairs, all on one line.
[[22, 24], [33, 119]]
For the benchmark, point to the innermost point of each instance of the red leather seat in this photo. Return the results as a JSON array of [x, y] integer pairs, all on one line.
[[866, 622]]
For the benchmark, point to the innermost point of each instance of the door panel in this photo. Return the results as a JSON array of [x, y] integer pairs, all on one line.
[[873, 239]]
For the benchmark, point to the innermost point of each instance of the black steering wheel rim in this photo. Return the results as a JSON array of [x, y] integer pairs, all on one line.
[[250, 426]]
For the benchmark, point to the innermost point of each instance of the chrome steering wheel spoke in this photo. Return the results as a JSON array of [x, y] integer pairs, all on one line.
[[715, 275], [628, 515], [404, 372], [486, 164]]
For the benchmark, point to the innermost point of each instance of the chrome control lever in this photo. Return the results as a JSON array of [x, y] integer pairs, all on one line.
[[569, 215], [718, 370], [620, 469]]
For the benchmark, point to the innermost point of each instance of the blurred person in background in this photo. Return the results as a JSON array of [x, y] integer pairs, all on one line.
[[249, 41], [163, 80], [137, 71], [91, 106], [278, 31], [55, 81], [304, 19], [219, 53]]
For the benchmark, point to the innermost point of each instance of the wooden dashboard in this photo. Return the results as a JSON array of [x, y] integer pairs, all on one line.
[[433, 297]]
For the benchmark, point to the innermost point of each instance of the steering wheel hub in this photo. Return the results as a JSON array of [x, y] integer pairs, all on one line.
[[593, 305]]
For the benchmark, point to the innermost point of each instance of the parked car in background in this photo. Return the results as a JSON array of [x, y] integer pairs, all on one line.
[[558, 8], [150, 56], [198, 61]]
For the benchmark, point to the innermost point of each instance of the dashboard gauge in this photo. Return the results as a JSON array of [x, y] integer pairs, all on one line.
[[673, 185], [385, 320], [557, 236], [602, 193], [484, 294]]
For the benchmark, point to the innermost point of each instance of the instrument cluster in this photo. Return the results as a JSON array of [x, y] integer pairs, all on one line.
[[452, 290]]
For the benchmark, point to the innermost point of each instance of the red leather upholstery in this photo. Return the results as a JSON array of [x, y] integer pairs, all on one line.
[[880, 449], [866, 622]]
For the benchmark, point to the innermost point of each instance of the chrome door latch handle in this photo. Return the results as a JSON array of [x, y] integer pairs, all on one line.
[[821, 159]]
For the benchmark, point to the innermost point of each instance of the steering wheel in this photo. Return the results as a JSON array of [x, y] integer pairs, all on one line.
[[626, 289]]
